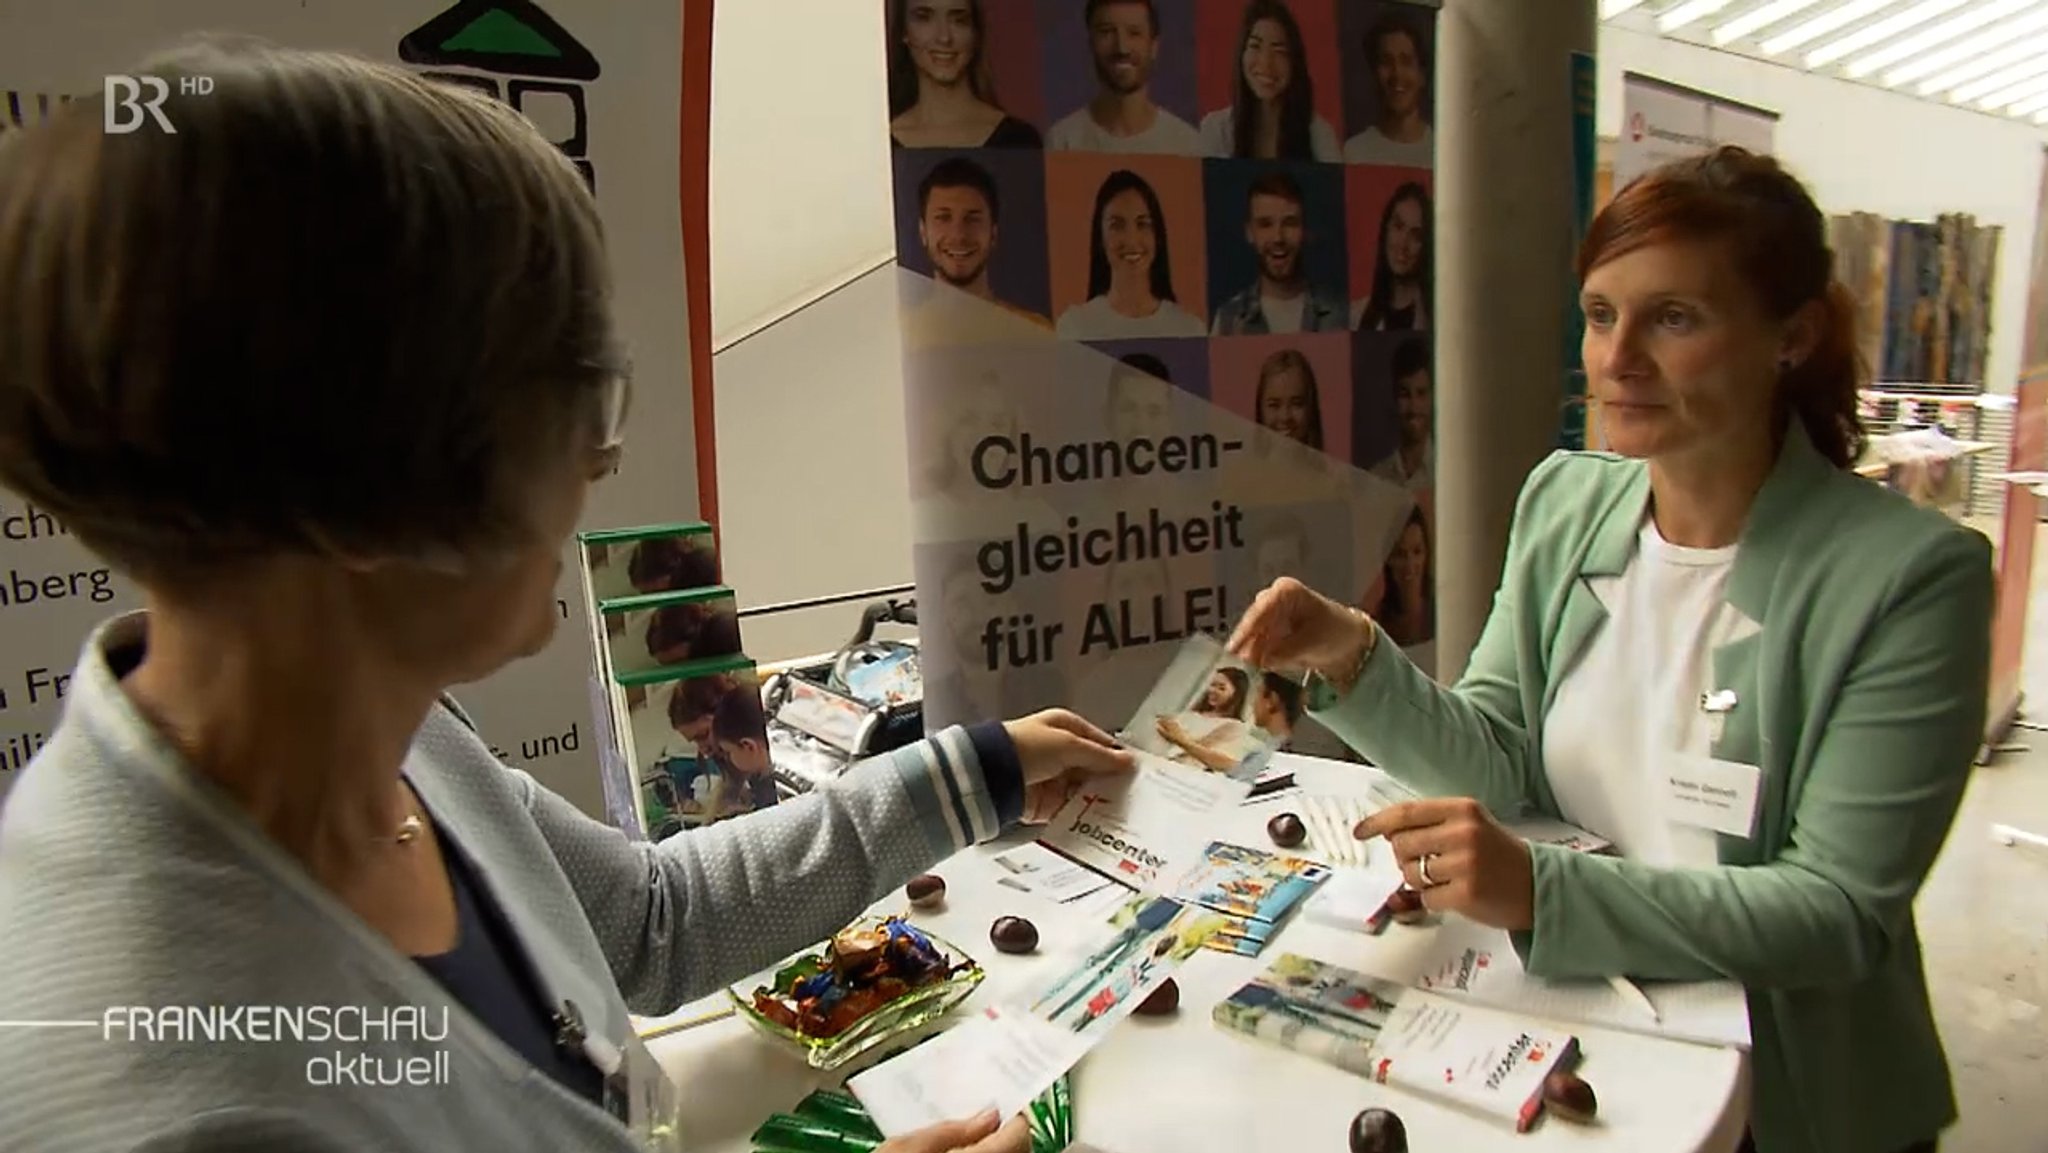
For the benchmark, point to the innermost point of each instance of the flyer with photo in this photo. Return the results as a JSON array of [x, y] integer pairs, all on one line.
[[1485, 1062], [1212, 713], [1011, 1051]]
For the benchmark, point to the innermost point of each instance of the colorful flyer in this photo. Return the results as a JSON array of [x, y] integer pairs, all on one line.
[[1255, 888], [1485, 1062]]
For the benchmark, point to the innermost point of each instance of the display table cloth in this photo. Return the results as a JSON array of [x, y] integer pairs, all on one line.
[[1178, 1083]]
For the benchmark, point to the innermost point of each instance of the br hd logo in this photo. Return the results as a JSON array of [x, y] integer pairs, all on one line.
[[132, 101]]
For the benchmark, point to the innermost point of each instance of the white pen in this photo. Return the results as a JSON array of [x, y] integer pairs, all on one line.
[[1633, 993]]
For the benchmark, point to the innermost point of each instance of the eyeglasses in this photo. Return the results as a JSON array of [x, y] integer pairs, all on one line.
[[614, 399]]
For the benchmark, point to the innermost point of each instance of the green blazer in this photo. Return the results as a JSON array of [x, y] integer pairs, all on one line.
[[1862, 699]]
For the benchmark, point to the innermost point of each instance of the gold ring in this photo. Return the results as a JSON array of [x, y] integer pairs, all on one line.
[[1422, 870]]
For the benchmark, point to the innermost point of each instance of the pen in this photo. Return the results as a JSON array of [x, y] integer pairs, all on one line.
[[1633, 993]]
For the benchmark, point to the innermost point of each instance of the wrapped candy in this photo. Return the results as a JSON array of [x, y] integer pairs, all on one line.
[[861, 969]]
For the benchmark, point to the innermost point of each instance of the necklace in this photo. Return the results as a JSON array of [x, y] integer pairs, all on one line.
[[409, 829]]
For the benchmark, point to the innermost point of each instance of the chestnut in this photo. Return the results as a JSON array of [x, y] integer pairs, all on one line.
[[1163, 1000], [1013, 935], [1287, 830], [1566, 1094], [1378, 1131], [926, 891], [1407, 907]]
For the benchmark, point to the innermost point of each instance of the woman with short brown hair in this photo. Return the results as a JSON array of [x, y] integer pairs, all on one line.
[[329, 373]]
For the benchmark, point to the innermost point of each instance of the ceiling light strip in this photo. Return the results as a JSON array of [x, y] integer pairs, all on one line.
[[1832, 20], [2015, 99], [1871, 35], [1958, 80], [2035, 64], [1758, 19], [1690, 12], [1977, 45], [1923, 42]]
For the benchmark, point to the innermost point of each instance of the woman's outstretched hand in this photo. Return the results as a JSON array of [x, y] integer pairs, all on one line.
[[1293, 628]]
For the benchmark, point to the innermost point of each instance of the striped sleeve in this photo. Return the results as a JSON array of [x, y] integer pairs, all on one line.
[[965, 784]]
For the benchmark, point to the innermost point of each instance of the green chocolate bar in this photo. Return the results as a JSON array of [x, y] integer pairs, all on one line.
[[801, 1135], [839, 1110]]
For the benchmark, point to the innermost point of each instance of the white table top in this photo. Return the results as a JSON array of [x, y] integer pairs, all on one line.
[[1172, 1084]]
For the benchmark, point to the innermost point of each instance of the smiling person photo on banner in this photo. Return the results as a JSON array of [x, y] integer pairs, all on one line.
[[1130, 291], [1288, 400], [1397, 59], [1761, 676], [1124, 42], [941, 85], [1402, 284], [1272, 114], [1281, 297], [340, 425], [960, 210]]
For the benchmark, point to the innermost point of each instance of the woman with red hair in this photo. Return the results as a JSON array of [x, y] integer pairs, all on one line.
[[1761, 676]]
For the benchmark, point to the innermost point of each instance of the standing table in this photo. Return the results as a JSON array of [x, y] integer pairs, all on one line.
[[1179, 1083]]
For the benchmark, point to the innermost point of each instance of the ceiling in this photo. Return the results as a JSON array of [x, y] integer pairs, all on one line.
[[1987, 55]]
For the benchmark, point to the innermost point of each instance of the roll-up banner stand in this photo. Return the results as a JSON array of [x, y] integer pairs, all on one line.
[[1166, 276]]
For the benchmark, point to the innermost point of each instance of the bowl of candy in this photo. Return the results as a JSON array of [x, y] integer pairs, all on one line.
[[875, 980]]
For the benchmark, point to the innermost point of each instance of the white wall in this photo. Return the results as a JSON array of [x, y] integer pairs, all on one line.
[[813, 492], [1865, 149], [811, 409], [799, 156]]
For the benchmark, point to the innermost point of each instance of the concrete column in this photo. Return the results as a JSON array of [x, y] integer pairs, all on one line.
[[1505, 232]]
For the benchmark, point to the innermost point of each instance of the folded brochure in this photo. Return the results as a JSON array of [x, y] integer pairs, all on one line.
[[1011, 1051], [1487, 1063], [1255, 889], [1145, 829]]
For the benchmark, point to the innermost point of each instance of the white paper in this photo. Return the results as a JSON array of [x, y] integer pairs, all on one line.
[[1352, 898], [1471, 961], [996, 1059], [1035, 869], [1145, 829], [1712, 794]]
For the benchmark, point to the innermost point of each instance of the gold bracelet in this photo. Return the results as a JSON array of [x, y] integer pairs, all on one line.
[[1343, 684]]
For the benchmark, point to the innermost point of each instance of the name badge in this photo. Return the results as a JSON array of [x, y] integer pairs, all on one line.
[[639, 1094], [1712, 794]]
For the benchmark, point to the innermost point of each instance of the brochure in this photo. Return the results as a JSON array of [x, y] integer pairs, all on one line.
[[1211, 713], [1487, 1063], [1469, 962], [1254, 888], [1012, 1051], [1035, 869], [1145, 829]]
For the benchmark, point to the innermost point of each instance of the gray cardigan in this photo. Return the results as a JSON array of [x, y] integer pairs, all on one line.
[[126, 880]]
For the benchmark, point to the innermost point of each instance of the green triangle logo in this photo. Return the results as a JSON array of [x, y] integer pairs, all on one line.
[[509, 37], [500, 33]]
